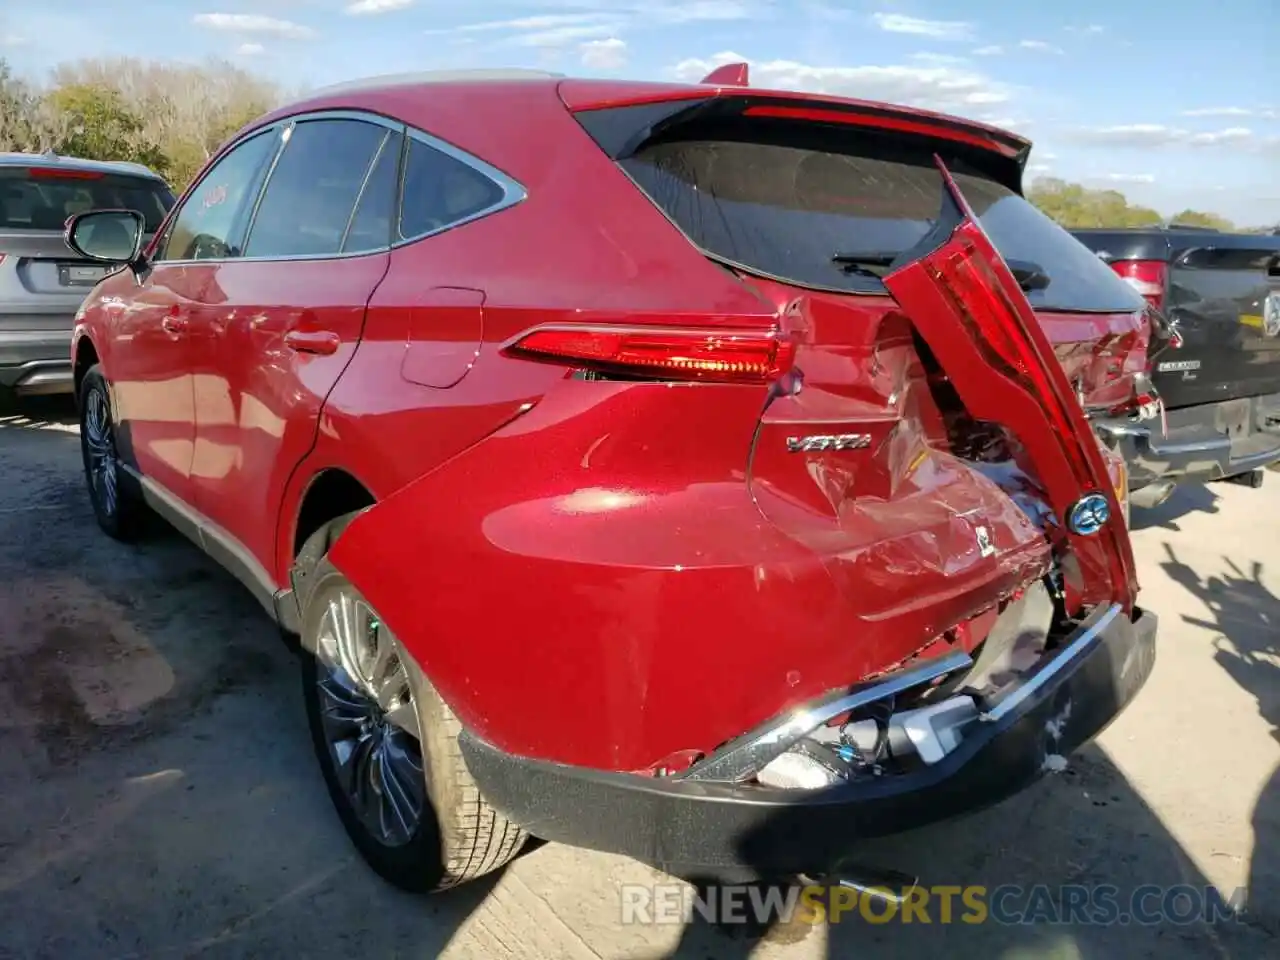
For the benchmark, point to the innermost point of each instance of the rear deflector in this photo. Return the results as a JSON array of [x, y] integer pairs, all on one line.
[[965, 303]]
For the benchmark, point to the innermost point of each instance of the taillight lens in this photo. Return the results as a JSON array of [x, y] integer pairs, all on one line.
[[699, 355], [62, 173], [1148, 277]]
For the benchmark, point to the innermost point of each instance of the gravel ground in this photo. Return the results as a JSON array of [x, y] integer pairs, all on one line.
[[158, 797]]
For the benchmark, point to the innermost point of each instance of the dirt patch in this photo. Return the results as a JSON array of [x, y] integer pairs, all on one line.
[[77, 673]]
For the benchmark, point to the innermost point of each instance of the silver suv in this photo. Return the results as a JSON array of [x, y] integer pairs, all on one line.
[[42, 282]]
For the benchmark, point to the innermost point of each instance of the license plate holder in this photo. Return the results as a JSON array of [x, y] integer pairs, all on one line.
[[80, 275]]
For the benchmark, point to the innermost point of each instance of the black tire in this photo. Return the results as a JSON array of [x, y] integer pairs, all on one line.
[[458, 836], [123, 513]]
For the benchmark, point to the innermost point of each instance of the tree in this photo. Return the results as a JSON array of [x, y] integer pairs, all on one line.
[[27, 122], [1194, 218], [1075, 206], [99, 126], [187, 109]]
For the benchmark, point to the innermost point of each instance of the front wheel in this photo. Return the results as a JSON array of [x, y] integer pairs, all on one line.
[[388, 748], [118, 507]]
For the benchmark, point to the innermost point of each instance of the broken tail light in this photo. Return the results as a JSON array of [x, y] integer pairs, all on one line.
[[962, 298], [717, 356]]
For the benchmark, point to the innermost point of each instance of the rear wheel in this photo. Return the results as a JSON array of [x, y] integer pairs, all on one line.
[[117, 504], [388, 747]]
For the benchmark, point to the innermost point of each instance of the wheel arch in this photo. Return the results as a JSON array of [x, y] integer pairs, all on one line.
[[332, 492], [86, 355]]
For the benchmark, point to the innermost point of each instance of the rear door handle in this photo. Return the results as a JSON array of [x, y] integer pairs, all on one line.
[[322, 342], [175, 326]]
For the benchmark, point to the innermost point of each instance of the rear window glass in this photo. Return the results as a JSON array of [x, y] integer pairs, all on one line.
[[32, 201], [787, 205]]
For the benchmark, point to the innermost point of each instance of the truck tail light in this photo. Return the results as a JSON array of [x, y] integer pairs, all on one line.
[[1148, 277]]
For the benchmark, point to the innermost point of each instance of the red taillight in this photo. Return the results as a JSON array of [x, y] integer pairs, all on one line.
[[62, 173], [1148, 277], [704, 355]]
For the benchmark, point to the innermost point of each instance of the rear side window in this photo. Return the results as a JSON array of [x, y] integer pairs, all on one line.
[[40, 198], [440, 191], [311, 195], [790, 201]]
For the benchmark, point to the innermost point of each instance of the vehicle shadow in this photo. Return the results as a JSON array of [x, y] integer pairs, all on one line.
[[1245, 615], [158, 793], [1187, 498], [1086, 828]]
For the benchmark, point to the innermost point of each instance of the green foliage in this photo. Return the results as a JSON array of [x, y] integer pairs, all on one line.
[[100, 126], [1194, 218], [172, 117], [1078, 207]]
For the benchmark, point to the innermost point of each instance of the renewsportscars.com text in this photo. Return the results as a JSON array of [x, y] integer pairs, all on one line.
[[1100, 905]]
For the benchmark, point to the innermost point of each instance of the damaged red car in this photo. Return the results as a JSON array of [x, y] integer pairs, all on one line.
[[697, 472]]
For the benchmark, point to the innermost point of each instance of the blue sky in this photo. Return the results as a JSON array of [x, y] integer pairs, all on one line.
[[1175, 103]]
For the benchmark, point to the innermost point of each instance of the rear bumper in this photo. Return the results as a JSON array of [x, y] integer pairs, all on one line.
[[1207, 442], [717, 828], [36, 361]]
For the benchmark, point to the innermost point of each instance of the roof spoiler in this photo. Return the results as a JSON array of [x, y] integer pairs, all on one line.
[[729, 75]]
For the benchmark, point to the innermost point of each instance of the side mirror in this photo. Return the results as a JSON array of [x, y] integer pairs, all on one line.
[[113, 236]]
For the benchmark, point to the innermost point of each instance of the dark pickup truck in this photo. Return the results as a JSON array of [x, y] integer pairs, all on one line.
[[1215, 361]]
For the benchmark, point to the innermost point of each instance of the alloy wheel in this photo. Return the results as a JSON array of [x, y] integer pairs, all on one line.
[[370, 720], [100, 451]]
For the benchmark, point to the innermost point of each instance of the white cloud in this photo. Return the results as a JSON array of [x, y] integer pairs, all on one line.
[[12, 40], [608, 54], [944, 88], [1130, 178], [938, 29], [253, 23], [1218, 112], [249, 49], [992, 51], [549, 21], [1038, 168], [361, 7], [697, 11], [1092, 28], [1150, 135], [561, 36], [1040, 46], [938, 58]]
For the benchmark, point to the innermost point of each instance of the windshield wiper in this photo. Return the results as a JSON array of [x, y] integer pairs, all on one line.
[[864, 258], [1030, 275]]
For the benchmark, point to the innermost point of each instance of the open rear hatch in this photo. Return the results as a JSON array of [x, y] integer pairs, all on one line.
[[828, 208]]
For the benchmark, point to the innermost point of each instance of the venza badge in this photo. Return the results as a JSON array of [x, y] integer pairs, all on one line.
[[828, 441]]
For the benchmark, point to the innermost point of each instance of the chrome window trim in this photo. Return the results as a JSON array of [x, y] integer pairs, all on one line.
[[364, 185], [513, 192]]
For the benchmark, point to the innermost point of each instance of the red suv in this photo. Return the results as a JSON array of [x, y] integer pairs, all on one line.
[[675, 470]]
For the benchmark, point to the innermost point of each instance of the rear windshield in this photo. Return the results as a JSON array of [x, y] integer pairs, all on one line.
[[786, 205], [32, 200]]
